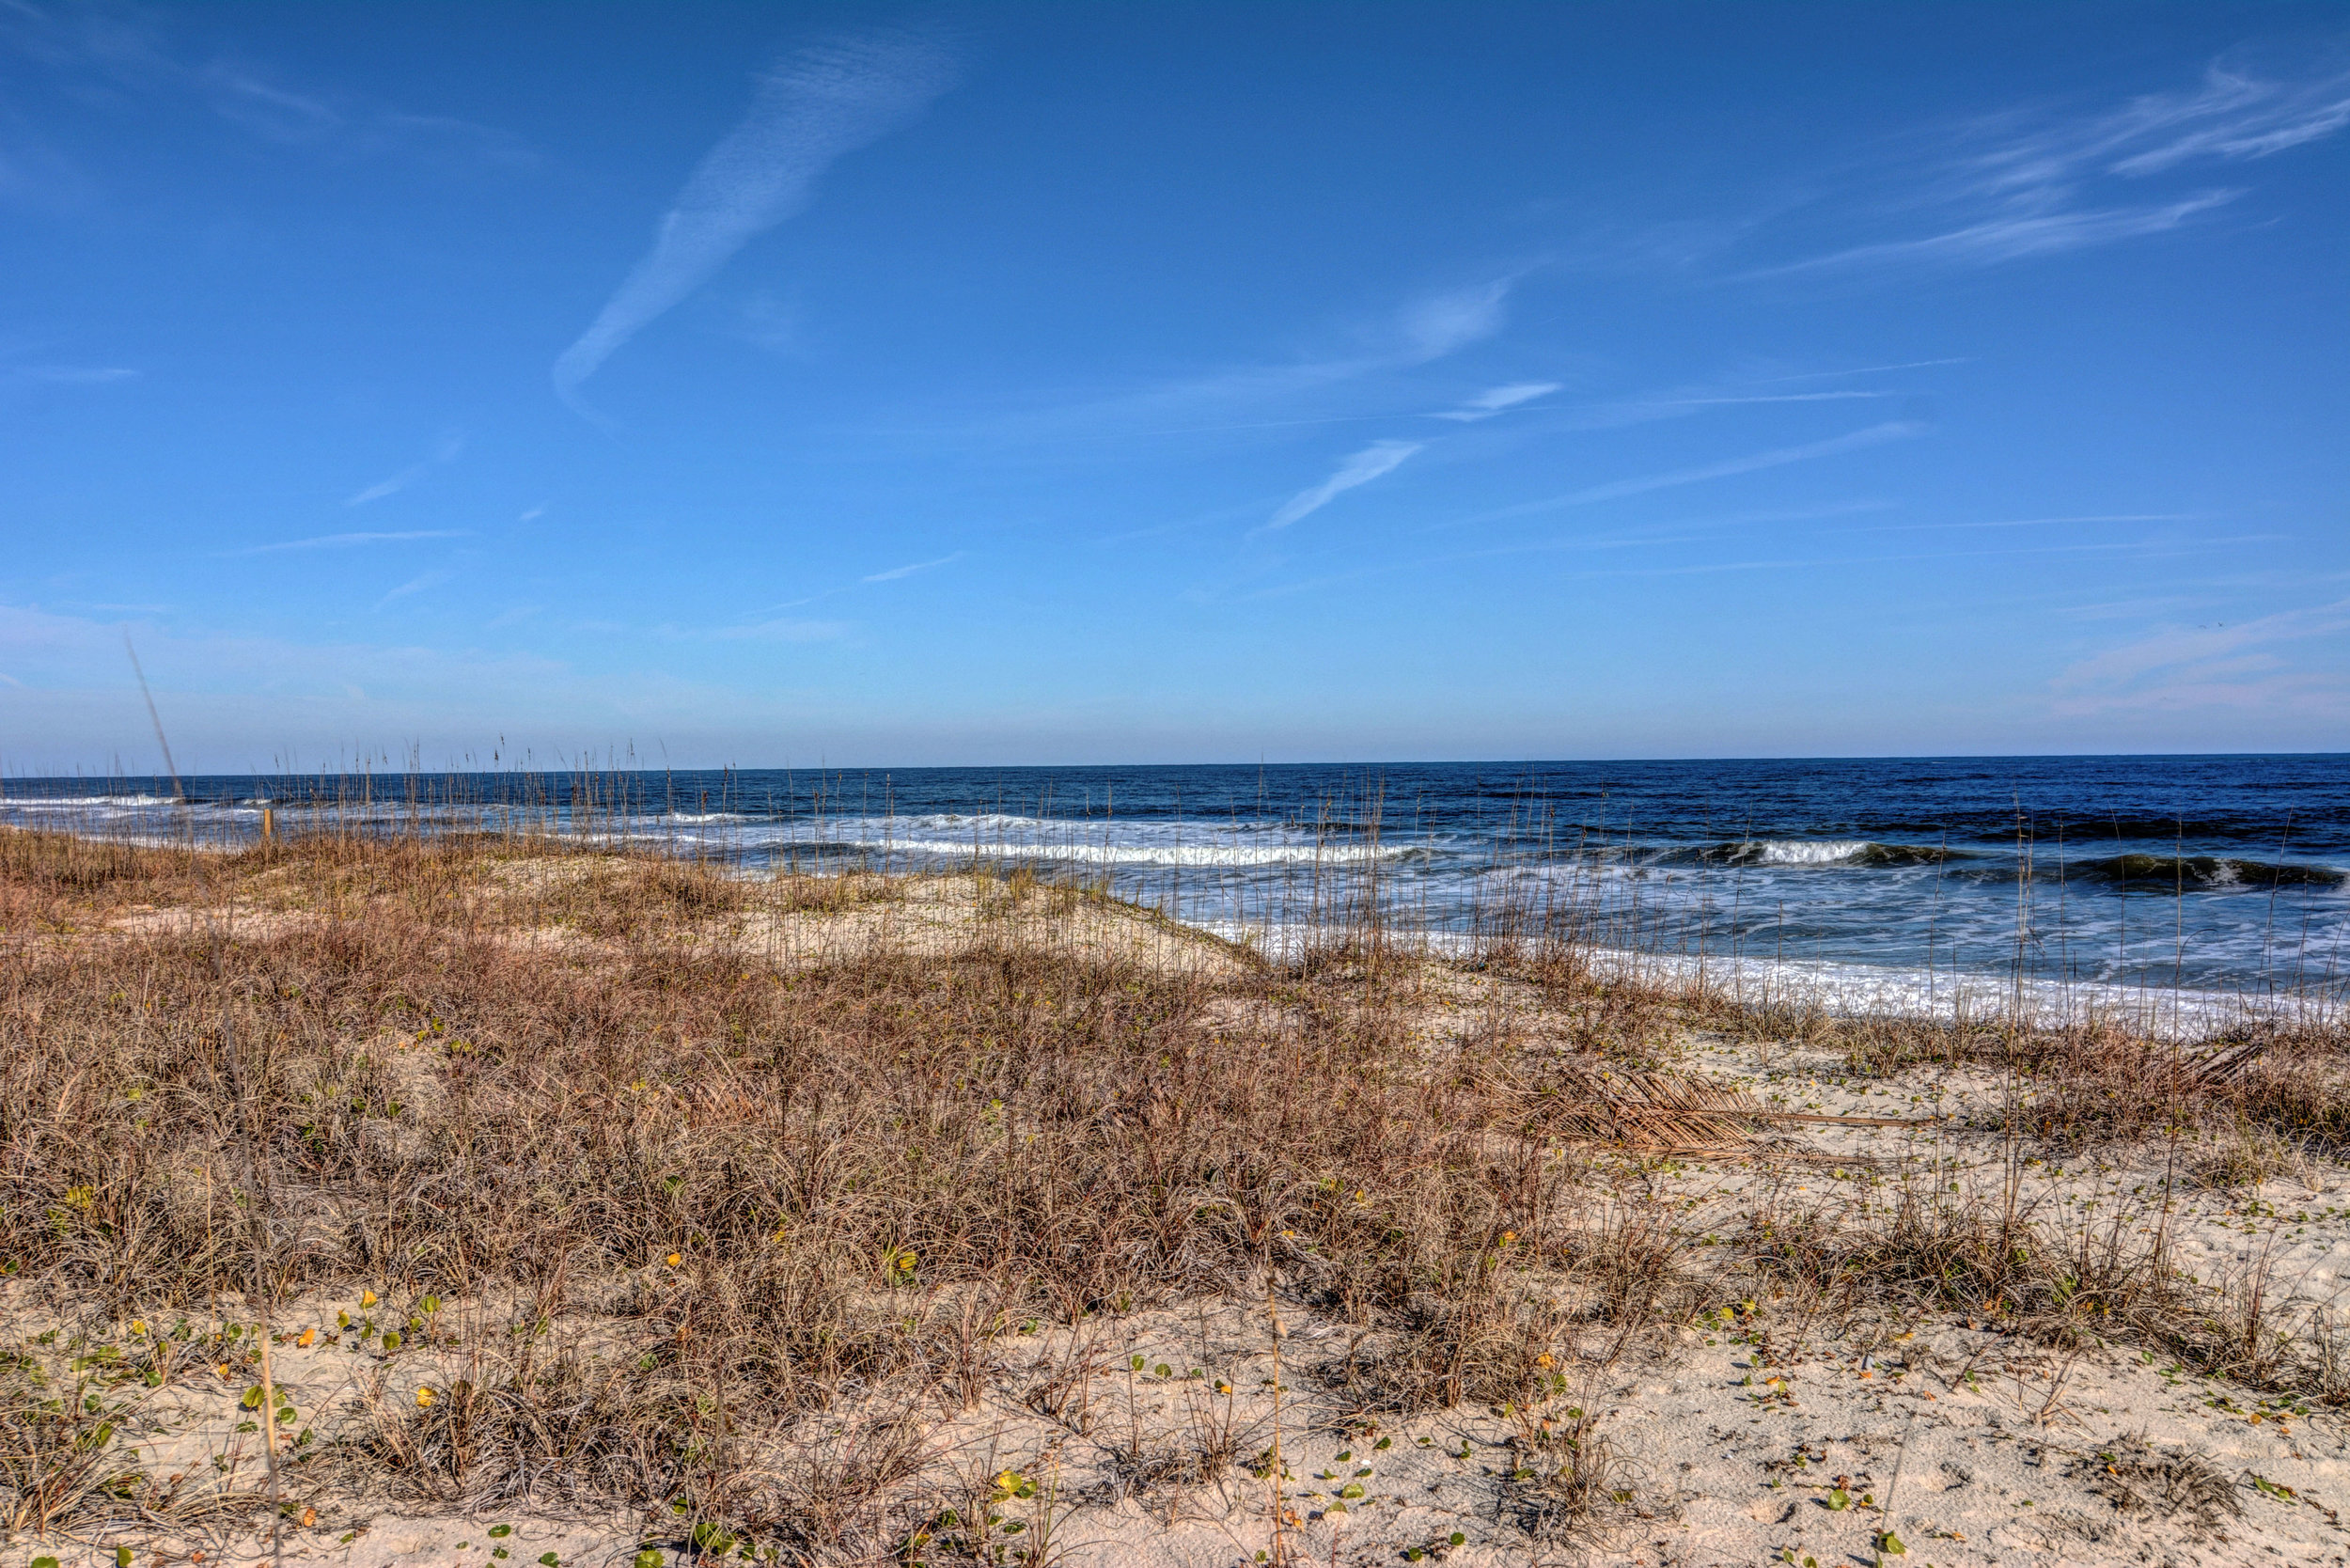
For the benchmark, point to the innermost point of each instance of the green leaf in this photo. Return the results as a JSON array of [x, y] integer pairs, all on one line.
[[548, 1560], [501, 1531], [647, 1560], [1839, 1499], [45, 1563]]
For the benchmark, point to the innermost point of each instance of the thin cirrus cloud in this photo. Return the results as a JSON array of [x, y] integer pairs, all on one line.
[[2062, 185], [2010, 239], [345, 541], [447, 451], [782, 631], [2231, 667], [1379, 458], [415, 585], [68, 375], [1443, 323], [2234, 115], [812, 109], [114, 48], [1892, 430], [1258, 397], [897, 572], [1499, 399]]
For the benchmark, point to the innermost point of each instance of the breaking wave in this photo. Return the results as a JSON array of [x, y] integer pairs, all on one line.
[[2207, 874], [1865, 853]]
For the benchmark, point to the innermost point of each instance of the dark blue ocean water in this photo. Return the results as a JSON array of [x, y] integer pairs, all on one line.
[[2210, 874]]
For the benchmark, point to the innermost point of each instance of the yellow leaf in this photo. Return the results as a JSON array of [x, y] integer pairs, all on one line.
[[309, 1338], [424, 1399], [367, 1299], [676, 1258]]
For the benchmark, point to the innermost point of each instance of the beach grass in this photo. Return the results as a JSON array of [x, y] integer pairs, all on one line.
[[623, 1180]]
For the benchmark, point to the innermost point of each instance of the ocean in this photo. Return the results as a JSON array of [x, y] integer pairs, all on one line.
[[1898, 882]]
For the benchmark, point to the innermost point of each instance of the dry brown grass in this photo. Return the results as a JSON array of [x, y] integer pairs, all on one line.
[[690, 1192], [862, 1171]]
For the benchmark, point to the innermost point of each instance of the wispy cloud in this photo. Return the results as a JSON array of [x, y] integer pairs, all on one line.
[[1443, 323], [68, 375], [447, 451], [810, 109], [2042, 522], [1486, 404], [1380, 457], [1616, 413], [123, 53], [1322, 388], [345, 541], [1892, 430], [2238, 668], [2172, 647], [2233, 116], [2027, 183], [1873, 369], [897, 572], [416, 584], [782, 631], [2011, 238], [1736, 401]]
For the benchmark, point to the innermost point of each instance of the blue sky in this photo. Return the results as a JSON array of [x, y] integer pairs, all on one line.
[[1161, 382]]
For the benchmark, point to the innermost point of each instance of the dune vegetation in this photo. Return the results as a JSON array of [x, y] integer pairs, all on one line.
[[467, 1196]]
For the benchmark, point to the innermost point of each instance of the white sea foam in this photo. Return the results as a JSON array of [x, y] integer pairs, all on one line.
[[1804, 852], [1098, 853], [1099, 841], [1865, 990]]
